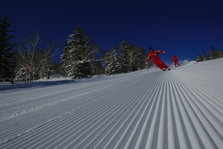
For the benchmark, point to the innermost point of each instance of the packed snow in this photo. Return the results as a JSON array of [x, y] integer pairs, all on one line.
[[180, 108]]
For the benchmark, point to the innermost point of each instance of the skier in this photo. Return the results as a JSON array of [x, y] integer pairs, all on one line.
[[175, 61], [156, 60]]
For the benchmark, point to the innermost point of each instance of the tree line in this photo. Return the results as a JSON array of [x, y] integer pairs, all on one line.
[[31, 58], [212, 53], [27, 60]]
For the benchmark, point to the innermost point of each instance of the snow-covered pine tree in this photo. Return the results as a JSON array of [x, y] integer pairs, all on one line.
[[132, 57], [112, 62], [212, 53], [199, 58], [124, 55], [78, 55], [96, 67], [7, 56], [137, 58]]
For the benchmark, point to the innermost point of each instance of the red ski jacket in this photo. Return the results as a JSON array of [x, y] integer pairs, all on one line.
[[153, 55], [175, 58]]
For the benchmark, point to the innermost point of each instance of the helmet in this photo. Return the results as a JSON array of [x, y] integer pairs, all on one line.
[[151, 49]]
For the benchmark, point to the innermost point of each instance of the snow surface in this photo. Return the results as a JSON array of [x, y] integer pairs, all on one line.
[[181, 108]]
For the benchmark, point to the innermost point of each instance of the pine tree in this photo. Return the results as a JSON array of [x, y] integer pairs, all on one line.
[[199, 58], [213, 53], [112, 62], [137, 58], [7, 56], [132, 57], [96, 67], [78, 55], [204, 56], [124, 55]]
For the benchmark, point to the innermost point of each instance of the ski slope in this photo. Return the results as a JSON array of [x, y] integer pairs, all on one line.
[[181, 108]]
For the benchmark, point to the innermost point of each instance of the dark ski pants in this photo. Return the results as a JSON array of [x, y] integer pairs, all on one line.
[[176, 63]]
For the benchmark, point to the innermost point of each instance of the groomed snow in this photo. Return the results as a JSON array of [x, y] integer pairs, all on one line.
[[181, 108]]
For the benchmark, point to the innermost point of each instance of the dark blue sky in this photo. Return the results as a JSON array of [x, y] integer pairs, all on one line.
[[179, 27]]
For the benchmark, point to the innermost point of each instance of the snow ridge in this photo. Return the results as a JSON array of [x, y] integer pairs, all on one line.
[[145, 109]]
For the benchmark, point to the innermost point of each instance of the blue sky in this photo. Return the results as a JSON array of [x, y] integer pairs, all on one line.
[[184, 28]]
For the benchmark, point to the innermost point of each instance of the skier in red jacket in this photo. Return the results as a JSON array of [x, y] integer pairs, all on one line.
[[156, 60], [175, 61]]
